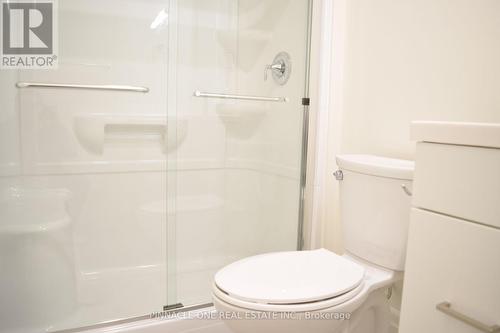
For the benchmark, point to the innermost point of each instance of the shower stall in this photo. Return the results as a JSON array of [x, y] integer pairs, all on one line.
[[169, 142]]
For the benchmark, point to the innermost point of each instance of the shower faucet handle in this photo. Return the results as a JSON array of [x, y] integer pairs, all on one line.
[[278, 67]]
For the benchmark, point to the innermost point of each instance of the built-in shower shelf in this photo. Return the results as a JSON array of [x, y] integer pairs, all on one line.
[[30, 211], [92, 129]]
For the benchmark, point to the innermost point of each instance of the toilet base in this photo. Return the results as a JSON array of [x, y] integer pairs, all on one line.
[[368, 314]]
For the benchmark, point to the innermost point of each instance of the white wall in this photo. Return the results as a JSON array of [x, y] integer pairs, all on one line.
[[408, 60]]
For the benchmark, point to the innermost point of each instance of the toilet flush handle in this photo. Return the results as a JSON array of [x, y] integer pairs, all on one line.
[[339, 175]]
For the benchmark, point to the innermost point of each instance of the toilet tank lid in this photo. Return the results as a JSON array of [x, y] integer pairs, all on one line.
[[377, 166]]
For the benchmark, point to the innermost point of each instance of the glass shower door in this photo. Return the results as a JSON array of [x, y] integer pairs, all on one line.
[[237, 79], [83, 223], [156, 153]]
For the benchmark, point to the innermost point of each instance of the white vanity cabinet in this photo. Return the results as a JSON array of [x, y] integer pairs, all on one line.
[[450, 260], [452, 273]]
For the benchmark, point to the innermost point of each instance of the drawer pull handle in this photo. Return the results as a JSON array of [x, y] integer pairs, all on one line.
[[406, 190], [445, 307]]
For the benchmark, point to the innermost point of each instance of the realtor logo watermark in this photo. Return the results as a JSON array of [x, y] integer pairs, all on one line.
[[29, 34]]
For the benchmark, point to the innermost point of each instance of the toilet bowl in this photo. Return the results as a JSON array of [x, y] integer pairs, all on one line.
[[319, 291], [316, 291]]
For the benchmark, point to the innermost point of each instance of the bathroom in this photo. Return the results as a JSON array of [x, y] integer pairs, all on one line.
[[159, 143]]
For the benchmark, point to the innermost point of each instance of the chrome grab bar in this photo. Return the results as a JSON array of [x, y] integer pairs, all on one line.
[[445, 307], [198, 93], [81, 86]]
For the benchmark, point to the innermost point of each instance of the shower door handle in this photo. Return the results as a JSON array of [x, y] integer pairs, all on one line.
[[202, 94], [109, 87]]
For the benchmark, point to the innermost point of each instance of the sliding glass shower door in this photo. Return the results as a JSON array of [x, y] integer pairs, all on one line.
[[83, 185], [167, 143], [237, 79]]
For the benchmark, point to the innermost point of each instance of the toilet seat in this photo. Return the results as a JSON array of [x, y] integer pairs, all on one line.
[[290, 308], [290, 281]]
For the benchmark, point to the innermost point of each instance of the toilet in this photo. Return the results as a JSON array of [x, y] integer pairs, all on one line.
[[319, 291]]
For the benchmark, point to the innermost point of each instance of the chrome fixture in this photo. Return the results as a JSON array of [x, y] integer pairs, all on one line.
[[406, 190], [389, 292], [198, 93], [339, 175], [445, 307], [281, 68], [81, 86]]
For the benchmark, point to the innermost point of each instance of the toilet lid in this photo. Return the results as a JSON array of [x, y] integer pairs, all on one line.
[[290, 277]]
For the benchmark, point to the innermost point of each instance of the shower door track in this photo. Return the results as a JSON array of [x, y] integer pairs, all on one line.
[[159, 315]]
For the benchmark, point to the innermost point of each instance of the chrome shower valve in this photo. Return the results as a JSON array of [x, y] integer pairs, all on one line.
[[277, 67], [281, 68]]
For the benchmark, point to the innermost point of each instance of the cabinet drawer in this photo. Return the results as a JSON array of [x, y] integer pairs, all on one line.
[[460, 181], [454, 261]]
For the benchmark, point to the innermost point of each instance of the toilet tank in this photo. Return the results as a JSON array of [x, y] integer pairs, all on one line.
[[375, 207]]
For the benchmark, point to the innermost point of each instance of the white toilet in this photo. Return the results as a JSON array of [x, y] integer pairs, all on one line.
[[320, 291]]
